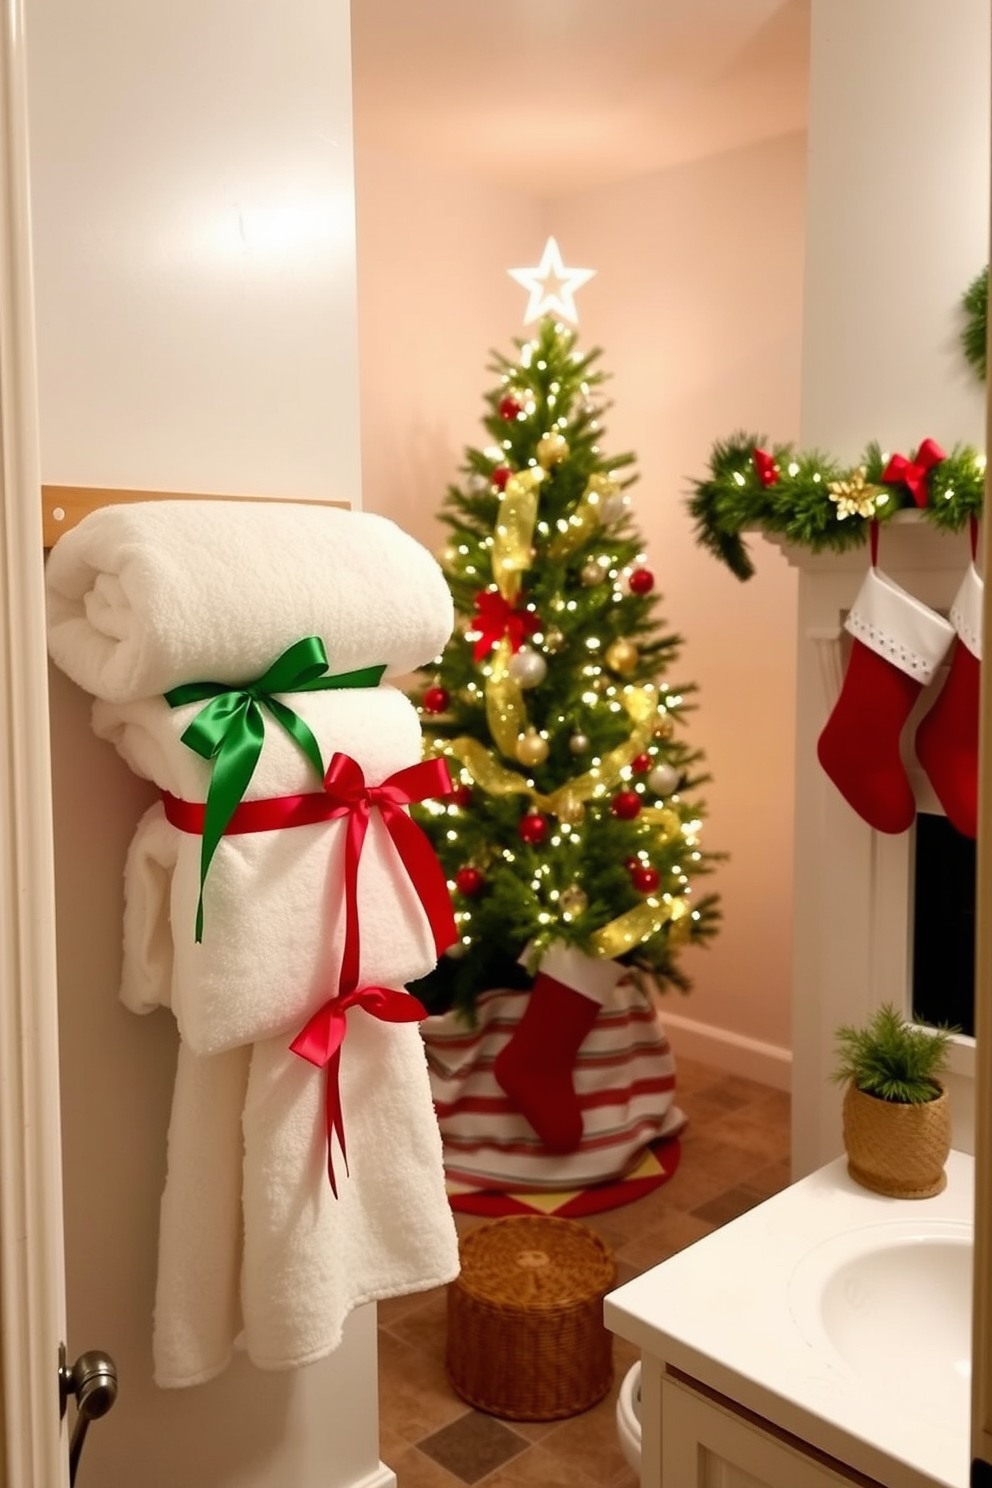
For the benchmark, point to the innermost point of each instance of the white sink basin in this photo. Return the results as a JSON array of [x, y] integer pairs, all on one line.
[[891, 1303]]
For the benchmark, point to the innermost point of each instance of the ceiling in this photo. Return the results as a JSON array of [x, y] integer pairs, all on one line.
[[554, 96]]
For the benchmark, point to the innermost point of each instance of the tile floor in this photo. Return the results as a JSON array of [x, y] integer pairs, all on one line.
[[735, 1152]]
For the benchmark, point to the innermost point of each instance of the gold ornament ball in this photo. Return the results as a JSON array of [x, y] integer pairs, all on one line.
[[554, 639], [573, 901], [551, 450], [579, 743], [622, 656], [591, 574], [531, 748], [664, 728], [570, 808]]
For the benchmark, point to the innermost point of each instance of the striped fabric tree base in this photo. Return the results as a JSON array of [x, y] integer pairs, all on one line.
[[624, 1081], [656, 1166]]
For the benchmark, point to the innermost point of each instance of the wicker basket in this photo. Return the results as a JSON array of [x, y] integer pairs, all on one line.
[[893, 1149], [526, 1338]]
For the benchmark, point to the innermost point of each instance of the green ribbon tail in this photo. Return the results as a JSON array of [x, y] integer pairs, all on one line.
[[235, 757]]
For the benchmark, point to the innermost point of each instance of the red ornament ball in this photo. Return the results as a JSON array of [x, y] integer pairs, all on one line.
[[644, 878], [631, 863], [469, 881], [461, 795], [500, 476], [436, 699], [626, 805], [533, 828], [641, 764], [509, 407], [641, 581]]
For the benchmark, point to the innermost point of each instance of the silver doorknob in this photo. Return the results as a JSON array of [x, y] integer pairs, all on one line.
[[92, 1380]]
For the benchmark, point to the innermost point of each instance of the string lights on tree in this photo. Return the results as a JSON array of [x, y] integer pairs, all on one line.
[[551, 701]]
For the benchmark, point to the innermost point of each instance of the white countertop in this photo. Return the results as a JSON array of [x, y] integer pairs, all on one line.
[[721, 1311]]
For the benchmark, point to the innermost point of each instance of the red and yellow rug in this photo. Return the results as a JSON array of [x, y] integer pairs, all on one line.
[[655, 1167]]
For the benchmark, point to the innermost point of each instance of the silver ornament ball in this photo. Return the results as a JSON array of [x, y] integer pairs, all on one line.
[[528, 667], [663, 778], [578, 743], [613, 507]]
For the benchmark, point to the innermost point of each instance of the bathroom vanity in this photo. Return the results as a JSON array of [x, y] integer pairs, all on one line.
[[821, 1339]]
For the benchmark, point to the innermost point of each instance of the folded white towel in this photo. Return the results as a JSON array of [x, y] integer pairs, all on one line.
[[273, 905], [145, 596], [279, 1273], [310, 1258]]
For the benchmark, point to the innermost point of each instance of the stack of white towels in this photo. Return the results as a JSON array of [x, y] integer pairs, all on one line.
[[255, 1251]]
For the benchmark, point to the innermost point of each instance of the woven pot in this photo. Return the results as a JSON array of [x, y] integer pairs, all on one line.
[[896, 1149]]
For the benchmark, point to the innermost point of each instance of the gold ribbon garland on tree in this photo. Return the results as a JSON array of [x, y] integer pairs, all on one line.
[[586, 517], [512, 554], [506, 712]]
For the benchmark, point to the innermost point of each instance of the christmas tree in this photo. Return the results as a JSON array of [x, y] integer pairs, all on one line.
[[574, 819]]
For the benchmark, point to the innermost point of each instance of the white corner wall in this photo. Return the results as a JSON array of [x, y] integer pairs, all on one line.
[[192, 187], [898, 227], [697, 306]]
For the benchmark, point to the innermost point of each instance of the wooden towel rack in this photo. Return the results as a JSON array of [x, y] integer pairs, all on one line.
[[62, 507]]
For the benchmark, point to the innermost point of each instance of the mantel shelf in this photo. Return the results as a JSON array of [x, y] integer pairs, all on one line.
[[63, 507], [906, 541]]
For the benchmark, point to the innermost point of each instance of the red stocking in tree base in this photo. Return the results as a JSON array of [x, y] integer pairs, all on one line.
[[535, 1067], [947, 739], [898, 645]]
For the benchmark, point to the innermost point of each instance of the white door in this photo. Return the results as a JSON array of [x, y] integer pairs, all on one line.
[[32, 1289]]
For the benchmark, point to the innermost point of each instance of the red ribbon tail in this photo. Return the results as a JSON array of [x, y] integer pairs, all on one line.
[[427, 875], [335, 1117]]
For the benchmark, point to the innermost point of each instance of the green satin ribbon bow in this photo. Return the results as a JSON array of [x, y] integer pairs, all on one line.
[[230, 731]]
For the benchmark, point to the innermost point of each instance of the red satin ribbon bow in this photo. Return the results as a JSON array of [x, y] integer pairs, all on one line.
[[495, 618], [913, 473], [348, 795], [766, 468], [320, 1042], [345, 793]]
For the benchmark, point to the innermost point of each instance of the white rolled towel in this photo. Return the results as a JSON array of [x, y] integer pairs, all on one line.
[[145, 596], [274, 922]]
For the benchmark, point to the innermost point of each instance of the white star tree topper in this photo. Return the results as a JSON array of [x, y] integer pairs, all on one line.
[[551, 286]]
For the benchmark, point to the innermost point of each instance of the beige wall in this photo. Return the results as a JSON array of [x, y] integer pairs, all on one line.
[[697, 306]]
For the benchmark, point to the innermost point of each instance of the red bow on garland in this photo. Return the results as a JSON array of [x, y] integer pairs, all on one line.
[[913, 473], [766, 468], [495, 618]]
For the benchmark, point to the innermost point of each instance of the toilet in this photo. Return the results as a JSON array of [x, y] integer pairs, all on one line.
[[629, 1417]]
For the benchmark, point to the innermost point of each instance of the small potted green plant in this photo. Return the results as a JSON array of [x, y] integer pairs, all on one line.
[[896, 1112]]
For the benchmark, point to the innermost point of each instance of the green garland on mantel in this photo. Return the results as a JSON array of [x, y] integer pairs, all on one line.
[[817, 503]]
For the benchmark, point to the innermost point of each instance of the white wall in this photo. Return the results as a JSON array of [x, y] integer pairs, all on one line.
[[696, 305], [898, 226], [193, 200]]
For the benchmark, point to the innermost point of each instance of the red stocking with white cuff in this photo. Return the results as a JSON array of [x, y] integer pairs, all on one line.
[[535, 1067], [898, 645], [947, 738]]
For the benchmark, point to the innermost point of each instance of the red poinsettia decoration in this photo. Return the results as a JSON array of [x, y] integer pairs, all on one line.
[[495, 618]]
